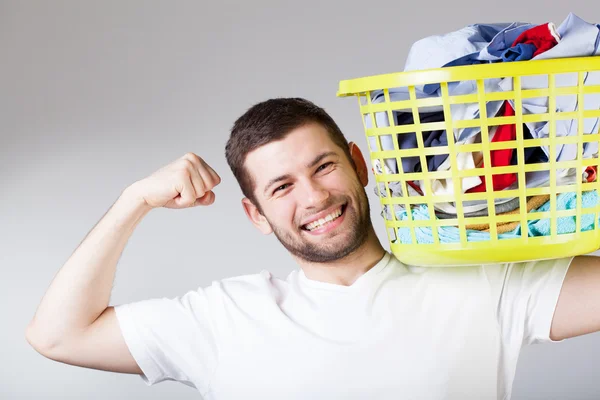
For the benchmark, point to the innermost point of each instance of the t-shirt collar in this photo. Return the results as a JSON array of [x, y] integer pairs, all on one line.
[[367, 276]]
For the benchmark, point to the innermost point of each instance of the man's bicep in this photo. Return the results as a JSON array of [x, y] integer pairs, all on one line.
[[578, 308], [101, 346]]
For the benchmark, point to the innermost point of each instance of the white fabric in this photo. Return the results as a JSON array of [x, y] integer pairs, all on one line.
[[578, 39], [394, 186], [464, 162], [564, 176], [397, 332]]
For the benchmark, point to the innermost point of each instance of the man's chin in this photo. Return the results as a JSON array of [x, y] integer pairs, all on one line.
[[334, 248], [326, 255]]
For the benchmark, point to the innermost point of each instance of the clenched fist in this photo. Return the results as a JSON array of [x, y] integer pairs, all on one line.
[[186, 182]]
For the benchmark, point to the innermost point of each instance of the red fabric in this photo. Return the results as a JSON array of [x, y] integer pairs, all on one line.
[[500, 158], [590, 173], [417, 188], [539, 36]]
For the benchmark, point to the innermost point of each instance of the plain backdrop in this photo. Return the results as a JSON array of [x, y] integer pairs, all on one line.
[[96, 95]]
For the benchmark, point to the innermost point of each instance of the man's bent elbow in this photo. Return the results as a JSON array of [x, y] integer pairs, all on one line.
[[42, 343]]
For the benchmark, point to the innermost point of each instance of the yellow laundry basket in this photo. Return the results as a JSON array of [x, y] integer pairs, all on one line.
[[495, 249]]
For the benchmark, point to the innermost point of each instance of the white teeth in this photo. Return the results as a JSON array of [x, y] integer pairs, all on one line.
[[322, 221]]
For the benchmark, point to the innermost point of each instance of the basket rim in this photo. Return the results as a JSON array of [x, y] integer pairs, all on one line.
[[357, 86]]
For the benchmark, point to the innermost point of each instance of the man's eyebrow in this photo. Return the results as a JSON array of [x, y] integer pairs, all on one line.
[[318, 158], [275, 180]]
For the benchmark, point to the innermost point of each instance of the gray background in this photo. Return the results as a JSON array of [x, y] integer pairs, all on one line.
[[96, 95]]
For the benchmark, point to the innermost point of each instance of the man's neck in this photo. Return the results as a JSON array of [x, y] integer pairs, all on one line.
[[347, 270]]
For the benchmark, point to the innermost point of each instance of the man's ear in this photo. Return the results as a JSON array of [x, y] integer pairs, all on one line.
[[255, 216], [359, 161]]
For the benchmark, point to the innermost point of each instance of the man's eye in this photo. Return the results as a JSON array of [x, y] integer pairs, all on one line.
[[282, 187], [324, 166]]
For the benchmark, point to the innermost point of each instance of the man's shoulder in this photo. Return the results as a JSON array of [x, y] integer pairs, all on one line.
[[492, 273], [457, 277], [460, 270]]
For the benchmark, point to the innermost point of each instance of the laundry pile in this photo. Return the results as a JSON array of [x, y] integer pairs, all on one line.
[[481, 44], [537, 227]]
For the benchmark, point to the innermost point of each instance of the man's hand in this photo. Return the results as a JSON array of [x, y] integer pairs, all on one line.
[[186, 182]]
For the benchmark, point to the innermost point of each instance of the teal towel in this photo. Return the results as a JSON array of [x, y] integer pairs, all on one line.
[[538, 227]]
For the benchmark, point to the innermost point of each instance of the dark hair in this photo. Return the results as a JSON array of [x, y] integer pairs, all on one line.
[[269, 121]]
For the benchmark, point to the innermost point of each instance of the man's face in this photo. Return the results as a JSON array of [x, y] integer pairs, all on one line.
[[310, 195]]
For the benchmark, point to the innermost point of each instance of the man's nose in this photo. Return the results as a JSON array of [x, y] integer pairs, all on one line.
[[315, 194]]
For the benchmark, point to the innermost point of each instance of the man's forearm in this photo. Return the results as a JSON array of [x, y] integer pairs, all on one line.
[[81, 290]]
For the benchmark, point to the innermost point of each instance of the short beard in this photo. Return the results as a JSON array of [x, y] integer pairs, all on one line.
[[315, 253]]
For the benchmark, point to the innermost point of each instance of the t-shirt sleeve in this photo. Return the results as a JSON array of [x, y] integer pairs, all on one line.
[[172, 339], [527, 294]]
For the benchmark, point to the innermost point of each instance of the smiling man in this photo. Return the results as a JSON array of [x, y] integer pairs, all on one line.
[[350, 322], [311, 195]]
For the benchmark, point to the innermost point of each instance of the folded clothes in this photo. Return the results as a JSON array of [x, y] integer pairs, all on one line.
[[533, 203], [564, 176], [564, 201], [538, 227], [501, 208]]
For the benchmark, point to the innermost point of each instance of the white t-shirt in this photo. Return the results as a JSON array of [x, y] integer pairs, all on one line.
[[397, 332]]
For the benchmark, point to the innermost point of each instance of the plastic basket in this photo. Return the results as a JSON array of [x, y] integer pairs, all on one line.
[[496, 248]]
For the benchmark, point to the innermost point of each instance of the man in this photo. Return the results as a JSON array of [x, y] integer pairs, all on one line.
[[351, 322]]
